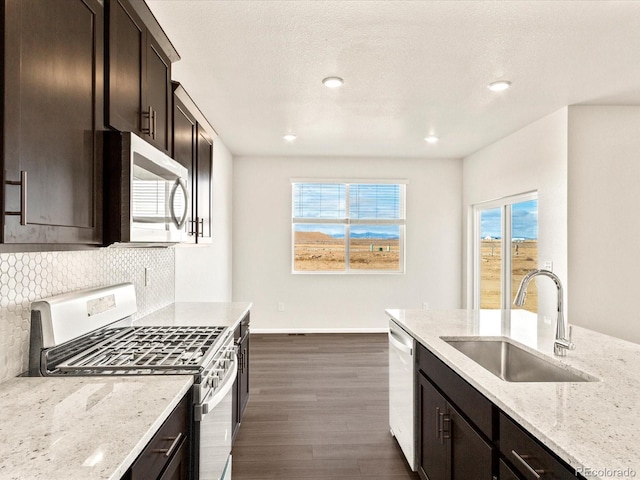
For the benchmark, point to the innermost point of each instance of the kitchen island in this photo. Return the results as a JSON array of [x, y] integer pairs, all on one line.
[[592, 426]]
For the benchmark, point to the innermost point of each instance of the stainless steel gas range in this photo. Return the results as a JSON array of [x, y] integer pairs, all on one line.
[[90, 332]]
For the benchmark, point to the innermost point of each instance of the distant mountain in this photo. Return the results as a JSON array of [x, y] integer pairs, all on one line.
[[312, 237], [371, 235], [317, 237]]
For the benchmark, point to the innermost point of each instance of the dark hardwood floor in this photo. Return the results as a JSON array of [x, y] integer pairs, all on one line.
[[318, 410]]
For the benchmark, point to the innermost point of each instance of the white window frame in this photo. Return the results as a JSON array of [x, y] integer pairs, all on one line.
[[504, 204], [347, 222]]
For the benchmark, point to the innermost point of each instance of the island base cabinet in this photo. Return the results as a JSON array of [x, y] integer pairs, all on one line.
[[471, 456], [461, 435], [432, 449], [449, 448], [506, 473], [528, 457]]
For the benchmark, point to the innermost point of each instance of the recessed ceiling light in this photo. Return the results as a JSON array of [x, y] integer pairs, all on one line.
[[333, 82], [431, 139], [499, 86], [289, 137]]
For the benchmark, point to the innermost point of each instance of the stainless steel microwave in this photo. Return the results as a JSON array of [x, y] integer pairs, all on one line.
[[145, 191]]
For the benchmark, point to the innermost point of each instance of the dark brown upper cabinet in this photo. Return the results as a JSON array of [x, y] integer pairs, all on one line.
[[52, 92], [193, 147], [138, 80]]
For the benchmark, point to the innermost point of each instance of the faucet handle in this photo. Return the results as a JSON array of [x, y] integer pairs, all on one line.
[[561, 345], [571, 345]]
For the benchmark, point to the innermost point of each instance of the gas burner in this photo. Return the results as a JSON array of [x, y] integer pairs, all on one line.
[[191, 356], [142, 349]]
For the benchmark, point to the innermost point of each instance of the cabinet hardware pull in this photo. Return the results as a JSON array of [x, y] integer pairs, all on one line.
[[201, 227], [23, 197], [169, 451], [522, 459], [155, 118], [446, 434], [442, 437], [149, 116], [438, 422]]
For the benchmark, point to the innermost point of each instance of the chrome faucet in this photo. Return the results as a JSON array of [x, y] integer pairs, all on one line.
[[561, 344]]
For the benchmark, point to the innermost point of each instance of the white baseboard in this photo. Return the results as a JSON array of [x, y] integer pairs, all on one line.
[[319, 330]]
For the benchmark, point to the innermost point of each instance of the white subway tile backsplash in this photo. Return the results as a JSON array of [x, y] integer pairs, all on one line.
[[25, 277]]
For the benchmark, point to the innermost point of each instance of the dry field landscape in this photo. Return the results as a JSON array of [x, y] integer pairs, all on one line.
[[524, 258], [316, 251]]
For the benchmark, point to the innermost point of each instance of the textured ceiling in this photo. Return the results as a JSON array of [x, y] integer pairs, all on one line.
[[411, 68]]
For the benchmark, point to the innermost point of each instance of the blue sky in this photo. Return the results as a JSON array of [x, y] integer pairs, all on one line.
[[328, 200], [524, 221], [366, 201]]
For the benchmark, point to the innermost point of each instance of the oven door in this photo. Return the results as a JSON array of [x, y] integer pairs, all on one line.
[[213, 420]]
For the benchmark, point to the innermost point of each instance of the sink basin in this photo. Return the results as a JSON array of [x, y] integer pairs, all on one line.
[[514, 364]]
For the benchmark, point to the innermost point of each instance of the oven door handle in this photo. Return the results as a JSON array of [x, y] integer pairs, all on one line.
[[214, 398]]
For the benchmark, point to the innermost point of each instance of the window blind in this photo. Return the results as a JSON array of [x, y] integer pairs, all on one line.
[[319, 200], [375, 202]]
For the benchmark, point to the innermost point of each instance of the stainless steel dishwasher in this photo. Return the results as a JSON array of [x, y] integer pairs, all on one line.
[[402, 391]]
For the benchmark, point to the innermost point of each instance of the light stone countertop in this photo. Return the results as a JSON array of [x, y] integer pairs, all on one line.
[[89, 428], [93, 428], [593, 426], [219, 314]]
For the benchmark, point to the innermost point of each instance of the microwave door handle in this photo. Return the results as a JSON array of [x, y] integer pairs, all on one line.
[[179, 223]]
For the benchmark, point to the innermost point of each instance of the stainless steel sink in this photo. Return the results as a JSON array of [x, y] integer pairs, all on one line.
[[514, 364]]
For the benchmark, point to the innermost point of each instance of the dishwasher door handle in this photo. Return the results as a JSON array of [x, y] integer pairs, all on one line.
[[398, 345]]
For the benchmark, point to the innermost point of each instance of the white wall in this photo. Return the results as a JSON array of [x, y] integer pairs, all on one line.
[[533, 158], [604, 225], [262, 245], [204, 273]]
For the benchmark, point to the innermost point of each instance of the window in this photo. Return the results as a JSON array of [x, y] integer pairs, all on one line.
[[505, 249], [348, 227]]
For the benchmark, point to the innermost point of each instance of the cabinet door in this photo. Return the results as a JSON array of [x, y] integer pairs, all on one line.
[[157, 96], [178, 466], [53, 112], [471, 456], [235, 399], [126, 57], [171, 442], [244, 377], [204, 187], [433, 448], [506, 473], [528, 457], [184, 152]]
